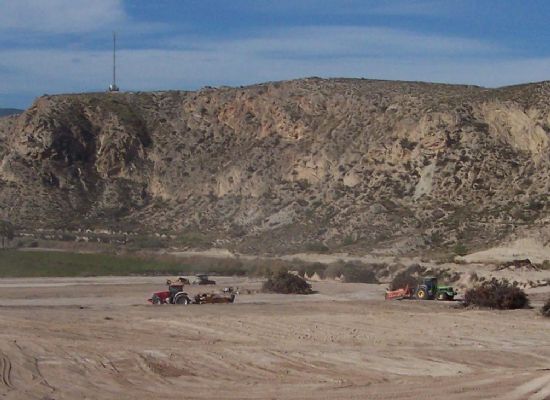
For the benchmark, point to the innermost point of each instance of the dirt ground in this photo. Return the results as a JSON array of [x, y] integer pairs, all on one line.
[[97, 338]]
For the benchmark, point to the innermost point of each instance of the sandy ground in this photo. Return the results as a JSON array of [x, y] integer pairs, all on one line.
[[97, 338]]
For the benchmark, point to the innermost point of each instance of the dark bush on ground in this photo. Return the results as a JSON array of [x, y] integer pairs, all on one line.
[[359, 273], [546, 308], [402, 280], [408, 277], [496, 294], [287, 283]]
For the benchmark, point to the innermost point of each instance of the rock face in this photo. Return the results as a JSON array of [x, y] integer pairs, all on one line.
[[277, 166]]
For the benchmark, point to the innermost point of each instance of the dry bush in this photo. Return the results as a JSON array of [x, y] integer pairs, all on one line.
[[545, 310], [359, 273], [407, 277], [287, 283], [496, 294]]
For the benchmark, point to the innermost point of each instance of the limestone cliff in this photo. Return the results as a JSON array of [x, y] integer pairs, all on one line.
[[277, 166]]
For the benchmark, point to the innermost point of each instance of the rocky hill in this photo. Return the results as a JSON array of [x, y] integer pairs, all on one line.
[[344, 163]]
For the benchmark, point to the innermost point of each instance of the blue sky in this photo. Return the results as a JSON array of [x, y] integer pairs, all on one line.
[[59, 46]]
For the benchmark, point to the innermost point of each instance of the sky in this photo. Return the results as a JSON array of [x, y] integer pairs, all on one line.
[[64, 46]]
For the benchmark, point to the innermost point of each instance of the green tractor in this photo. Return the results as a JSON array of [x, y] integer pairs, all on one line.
[[429, 290]]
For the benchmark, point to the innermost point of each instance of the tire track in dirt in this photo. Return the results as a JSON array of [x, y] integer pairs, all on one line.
[[538, 389], [5, 368]]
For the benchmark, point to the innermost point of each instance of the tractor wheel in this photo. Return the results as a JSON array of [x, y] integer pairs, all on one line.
[[155, 299], [182, 300], [421, 294]]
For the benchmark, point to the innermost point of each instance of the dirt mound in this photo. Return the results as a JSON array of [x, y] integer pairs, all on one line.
[[287, 283]]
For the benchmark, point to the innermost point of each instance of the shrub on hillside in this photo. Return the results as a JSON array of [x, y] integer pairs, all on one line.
[[496, 294], [317, 247], [546, 308], [460, 250], [287, 283]]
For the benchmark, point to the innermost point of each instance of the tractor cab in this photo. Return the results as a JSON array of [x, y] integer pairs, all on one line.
[[431, 283], [427, 289]]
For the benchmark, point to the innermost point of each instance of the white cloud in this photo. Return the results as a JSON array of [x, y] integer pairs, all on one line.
[[356, 40], [65, 71], [371, 52], [59, 16], [414, 8]]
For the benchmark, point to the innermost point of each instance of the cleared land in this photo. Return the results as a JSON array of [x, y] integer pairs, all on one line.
[[67, 338]]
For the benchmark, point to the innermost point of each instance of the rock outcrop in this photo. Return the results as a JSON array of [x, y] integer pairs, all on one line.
[[281, 166]]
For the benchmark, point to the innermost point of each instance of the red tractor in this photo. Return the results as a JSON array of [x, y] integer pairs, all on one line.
[[174, 294]]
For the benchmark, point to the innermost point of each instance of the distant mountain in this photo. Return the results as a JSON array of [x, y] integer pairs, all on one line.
[[9, 111]]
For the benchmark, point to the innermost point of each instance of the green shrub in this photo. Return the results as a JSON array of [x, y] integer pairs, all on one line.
[[496, 294], [460, 250], [287, 283], [147, 242], [348, 241], [317, 247]]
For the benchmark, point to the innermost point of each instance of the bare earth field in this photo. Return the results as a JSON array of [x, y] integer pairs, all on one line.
[[97, 338]]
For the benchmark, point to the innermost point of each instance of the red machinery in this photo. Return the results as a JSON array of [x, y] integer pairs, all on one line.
[[403, 293], [174, 294], [160, 297]]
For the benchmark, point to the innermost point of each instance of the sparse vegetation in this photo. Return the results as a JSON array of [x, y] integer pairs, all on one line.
[[287, 283], [407, 144], [66, 264], [407, 277], [496, 294], [460, 249], [348, 241], [359, 274], [43, 264], [545, 310], [193, 191], [7, 233], [317, 247], [147, 242]]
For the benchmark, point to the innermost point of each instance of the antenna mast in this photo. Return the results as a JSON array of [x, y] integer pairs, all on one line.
[[113, 87]]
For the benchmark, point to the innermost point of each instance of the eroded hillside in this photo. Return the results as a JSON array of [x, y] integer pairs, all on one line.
[[283, 166]]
